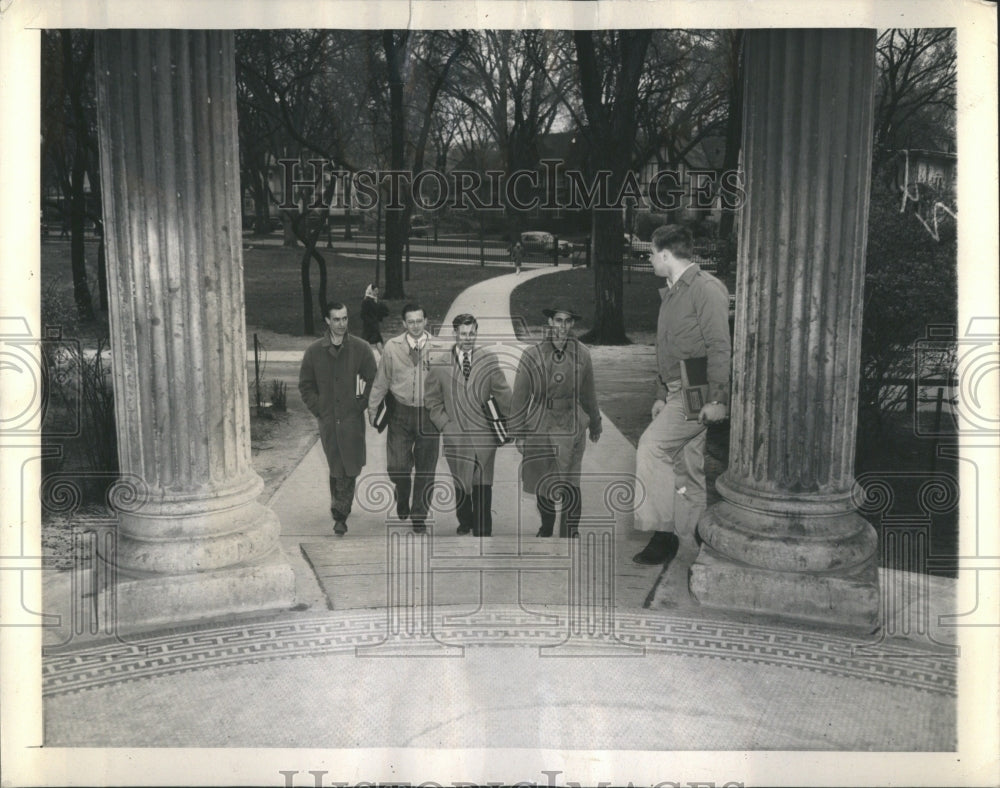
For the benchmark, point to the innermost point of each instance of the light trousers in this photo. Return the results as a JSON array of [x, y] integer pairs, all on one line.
[[670, 471]]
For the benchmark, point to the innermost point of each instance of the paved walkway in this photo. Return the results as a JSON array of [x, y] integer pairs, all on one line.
[[512, 642]]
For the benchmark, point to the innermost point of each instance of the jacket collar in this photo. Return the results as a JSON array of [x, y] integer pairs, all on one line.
[[684, 279]]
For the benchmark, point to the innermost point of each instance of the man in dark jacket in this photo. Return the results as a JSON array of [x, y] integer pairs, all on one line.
[[461, 383], [335, 380]]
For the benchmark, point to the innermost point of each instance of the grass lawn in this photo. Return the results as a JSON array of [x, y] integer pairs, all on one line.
[[271, 278], [273, 289], [640, 296]]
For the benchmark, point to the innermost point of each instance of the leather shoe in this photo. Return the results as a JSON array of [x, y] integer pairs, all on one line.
[[661, 549], [340, 527]]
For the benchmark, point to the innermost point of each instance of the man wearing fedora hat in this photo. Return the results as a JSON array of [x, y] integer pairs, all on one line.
[[554, 405]]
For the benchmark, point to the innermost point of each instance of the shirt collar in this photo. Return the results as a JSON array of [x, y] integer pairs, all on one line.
[[418, 343], [459, 352]]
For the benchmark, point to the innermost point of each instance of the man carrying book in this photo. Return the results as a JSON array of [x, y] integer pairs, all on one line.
[[335, 379], [413, 442], [554, 406], [693, 347], [467, 396]]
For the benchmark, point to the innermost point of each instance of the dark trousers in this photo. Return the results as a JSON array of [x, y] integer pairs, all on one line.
[[569, 521], [341, 496], [474, 509], [412, 445]]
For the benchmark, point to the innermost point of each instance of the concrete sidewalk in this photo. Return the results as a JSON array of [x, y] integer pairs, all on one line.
[[441, 641]]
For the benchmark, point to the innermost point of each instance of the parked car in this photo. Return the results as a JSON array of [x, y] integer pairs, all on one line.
[[419, 227], [541, 241], [640, 249]]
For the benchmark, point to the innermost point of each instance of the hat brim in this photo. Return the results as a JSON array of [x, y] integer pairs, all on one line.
[[554, 312]]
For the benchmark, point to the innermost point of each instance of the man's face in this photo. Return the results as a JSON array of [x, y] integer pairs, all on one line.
[[562, 324], [465, 337], [337, 322], [414, 322], [661, 261]]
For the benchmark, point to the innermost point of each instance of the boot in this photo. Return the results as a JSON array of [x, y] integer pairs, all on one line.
[[661, 549], [569, 521], [403, 499], [547, 511], [463, 511], [482, 495]]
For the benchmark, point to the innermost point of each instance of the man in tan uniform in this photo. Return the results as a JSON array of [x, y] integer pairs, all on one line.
[[553, 407]]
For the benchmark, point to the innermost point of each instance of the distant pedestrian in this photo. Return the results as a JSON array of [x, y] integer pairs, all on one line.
[[335, 380], [412, 441], [517, 255], [463, 383], [372, 313], [553, 407]]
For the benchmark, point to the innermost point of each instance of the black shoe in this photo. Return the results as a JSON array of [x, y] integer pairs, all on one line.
[[463, 530], [544, 532], [419, 527], [340, 528], [661, 549]]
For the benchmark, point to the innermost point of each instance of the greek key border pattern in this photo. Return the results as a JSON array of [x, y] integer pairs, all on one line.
[[834, 655]]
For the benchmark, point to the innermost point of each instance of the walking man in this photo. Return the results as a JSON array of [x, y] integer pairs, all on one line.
[[517, 254], [460, 386], [554, 405], [670, 459], [412, 442], [335, 379]]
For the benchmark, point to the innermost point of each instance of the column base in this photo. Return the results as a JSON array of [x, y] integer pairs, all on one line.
[[266, 584], [848, 599]]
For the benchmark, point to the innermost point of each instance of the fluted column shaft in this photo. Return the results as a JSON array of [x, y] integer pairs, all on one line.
[[807, 142], [171, 190]]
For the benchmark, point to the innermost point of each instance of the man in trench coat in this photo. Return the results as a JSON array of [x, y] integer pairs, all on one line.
[[554, 405], [335, 380], [459, 386]]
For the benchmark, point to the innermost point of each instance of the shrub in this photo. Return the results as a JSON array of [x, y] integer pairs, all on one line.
[[279, 396]]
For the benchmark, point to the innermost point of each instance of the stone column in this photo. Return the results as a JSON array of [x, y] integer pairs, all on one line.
[[786, 538], [197, 543]]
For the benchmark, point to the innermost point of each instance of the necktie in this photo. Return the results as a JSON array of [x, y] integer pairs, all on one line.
[[466, 364], [415, 355]]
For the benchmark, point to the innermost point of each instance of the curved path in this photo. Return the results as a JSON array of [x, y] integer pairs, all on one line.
[[522, 664]]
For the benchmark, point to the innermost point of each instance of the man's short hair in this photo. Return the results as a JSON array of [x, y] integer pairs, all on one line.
[[675, 237], [331, 305], [465, 319], [412, 308]]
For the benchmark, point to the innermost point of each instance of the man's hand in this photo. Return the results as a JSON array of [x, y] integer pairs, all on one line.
[[658, 406], [595, 434], [713, 413], [371, 418]]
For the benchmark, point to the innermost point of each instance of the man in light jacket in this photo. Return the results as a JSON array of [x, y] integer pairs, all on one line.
[[335, 379], [463, 382], [412, 440], [693, 323]]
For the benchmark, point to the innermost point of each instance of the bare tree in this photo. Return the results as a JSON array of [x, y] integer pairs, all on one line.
[[915, 96], [69, 141], [416, 67]]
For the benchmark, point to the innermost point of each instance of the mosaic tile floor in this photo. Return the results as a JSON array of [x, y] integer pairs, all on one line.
[[505, 678]]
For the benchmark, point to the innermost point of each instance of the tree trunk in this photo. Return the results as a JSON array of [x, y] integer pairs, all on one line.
[[609, 320], [308, 326], [348, 234], [734, 127], [394, 231], [78, 260]]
